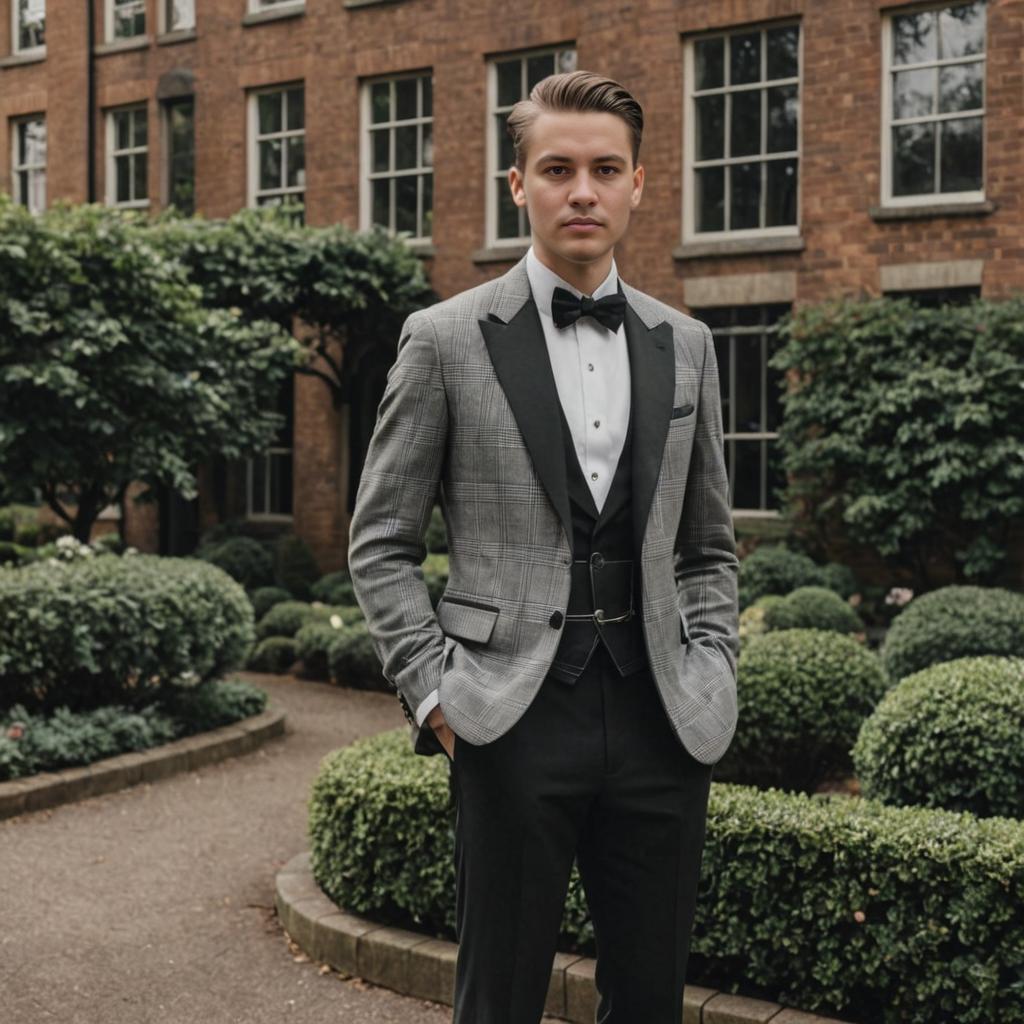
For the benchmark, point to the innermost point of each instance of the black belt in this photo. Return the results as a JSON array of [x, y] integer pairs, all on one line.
[[621, 568]]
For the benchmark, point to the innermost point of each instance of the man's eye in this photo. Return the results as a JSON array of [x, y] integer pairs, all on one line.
[[608, 167], [556, 168]]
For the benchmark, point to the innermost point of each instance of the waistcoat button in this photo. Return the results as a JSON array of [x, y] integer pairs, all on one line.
[[597, 560], [556, 620]]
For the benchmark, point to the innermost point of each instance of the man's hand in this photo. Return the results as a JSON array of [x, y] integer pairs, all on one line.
[[442, 730]]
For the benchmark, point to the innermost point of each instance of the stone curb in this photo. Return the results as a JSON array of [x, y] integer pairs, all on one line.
[[417, 965], [50, 789]]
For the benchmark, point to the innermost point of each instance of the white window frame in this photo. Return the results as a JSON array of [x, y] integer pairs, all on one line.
[[16, 48], [493, 173], [252, 159], [885, 178], [366, 173], [33, 169], [689, 191], [266, 458], [112, 154], [108, 22], [258, 6], [163, 22]]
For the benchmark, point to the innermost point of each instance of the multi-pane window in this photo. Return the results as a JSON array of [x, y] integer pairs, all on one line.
[[398, 154], [181, 159], [934, 103], [269, 476], [745, 339], [29, 25], [278, 154], [266, 5], [510, 80], [179, 15], [29, 170], [128, 157], [743, 148], [126, 19], [933, 298]]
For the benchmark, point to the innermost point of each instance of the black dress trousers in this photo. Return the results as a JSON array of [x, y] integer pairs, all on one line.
[[592, 770]]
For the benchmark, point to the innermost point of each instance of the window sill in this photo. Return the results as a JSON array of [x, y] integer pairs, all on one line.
[[18, 59], [120, 45], [737, 247], [425, 250], [274, 14], [368, 3], [181, 35], [500, 254], [984, 207]]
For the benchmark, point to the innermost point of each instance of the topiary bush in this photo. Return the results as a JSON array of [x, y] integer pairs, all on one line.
[[954, 622], [295, 568], [264, 598], [334, 588], [243, 559], [774, 569], [110, 630], [949, 736], [353, 662], [802, 696], [812, 608], [436, 538], [286, 619], [313, 644], [272, 654]]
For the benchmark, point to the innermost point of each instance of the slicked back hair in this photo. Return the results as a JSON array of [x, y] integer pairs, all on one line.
[[574, 91]]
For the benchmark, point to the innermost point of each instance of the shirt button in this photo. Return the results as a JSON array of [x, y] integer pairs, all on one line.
[[556, 620], [590, 366], [597, 423], [593, 476]]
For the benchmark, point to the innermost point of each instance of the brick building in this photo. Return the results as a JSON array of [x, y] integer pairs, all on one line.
[[794, 150]]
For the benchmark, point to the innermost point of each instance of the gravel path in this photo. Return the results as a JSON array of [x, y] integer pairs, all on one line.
[[156, 903]]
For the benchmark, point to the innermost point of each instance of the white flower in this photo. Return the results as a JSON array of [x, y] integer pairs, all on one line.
[[336, 621]]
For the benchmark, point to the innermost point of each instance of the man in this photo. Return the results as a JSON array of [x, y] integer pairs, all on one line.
[[580, 670]]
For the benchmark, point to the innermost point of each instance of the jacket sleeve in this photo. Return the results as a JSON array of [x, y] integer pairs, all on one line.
[[396, 495], [706, 566]]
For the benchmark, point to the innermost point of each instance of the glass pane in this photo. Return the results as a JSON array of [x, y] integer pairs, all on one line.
[[427, 92], [745, 58], [744, 196], [776, 482], [538, 68], [780, 197], [32, 143], [122, 130], [181, 167], [380, 146], [296, 165], [382, 201], [710, 60], [776, 384], [783, 51], [296, 101], [122, 171], [913, 93], [709, 197], [281, 484], [405, 98], [566, 60], [913, 159], [426, 145], [748, 383], [914, 38], [405, 203], [380, 102], [269, 107], [141, 170], [139, 123], [258, 484], [270, 164], [508, 212], [509, 82], [745, 126], [746, 474], [405, 146], [31, 31], [427, 224], [961, 87], [961, 154], [962, 30], [506, 153], [181, 14], [783, 111], [710, 127]]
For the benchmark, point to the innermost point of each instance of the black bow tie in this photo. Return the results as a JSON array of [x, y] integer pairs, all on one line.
[[567, 308]]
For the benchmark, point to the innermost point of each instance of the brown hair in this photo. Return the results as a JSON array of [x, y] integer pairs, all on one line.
[[574, 91]]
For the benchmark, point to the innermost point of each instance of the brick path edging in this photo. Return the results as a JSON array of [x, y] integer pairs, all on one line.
[[423, 967], [50, 789]]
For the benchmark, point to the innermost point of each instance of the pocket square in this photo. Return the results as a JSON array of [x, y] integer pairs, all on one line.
[[682, 410]]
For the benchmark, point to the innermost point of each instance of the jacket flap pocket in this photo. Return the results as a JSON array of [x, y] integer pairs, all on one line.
[[682, 410], [467, 620]]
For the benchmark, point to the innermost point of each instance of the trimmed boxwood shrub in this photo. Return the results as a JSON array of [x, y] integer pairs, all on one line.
[[949, 736], [435, 575], [802, 696], [295, 568], [286, 619], [841, 906], [110, 630], [264, 598], [353, 662], [775, 569], [334, 588], [812, 608], [272, 654], [954, 622], [313, 643], [243, 559]]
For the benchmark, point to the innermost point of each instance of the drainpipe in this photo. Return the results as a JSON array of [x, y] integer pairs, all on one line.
[[90, 127]]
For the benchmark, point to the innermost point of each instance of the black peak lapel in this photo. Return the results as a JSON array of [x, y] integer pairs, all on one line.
[[652, 372], [520, 358]]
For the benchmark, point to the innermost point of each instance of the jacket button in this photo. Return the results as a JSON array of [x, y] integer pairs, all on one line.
[[556, 620], [597, 560]]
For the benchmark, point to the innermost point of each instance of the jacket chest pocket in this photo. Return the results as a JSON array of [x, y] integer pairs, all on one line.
[[467, 619]]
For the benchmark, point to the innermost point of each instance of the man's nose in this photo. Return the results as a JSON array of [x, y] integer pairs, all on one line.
[[583, 189]]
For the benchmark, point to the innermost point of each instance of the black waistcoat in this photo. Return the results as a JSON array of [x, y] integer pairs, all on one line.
[[605, 568]]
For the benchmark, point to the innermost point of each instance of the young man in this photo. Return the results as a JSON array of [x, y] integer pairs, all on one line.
[[580, 670]]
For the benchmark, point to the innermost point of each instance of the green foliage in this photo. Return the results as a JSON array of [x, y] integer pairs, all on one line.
[[334, 588], [353, 662], [435, 575], [243, 559], [107, 630], [949, 736], [954, 622], [313, 643], [272, 654], [775, 569], [295, 568], [802, 695], [904, 429], [812, 608], [264, 598], [841, 906], [286, 618], [436, 538], [112, 370]]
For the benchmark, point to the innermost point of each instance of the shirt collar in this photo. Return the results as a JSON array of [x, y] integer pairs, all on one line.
[[543, 281]]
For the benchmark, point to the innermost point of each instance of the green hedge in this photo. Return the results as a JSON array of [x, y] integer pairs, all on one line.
[[272, 654], [334, 588], [812, 608], [775, 569], [243, 559], [840, 906], [353, 662], [954, 622], [949, 736], [264, 598], [111, 630]]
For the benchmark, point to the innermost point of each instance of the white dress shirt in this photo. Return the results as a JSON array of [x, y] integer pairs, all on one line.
[[590, 364]]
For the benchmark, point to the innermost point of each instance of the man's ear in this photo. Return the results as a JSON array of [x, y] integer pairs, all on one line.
[[638, 187], [517, 186]]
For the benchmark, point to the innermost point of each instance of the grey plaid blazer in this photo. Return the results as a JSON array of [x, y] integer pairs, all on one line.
[[470, 410]]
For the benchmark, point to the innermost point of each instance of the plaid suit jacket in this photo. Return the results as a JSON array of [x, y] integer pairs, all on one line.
[[470, 413]]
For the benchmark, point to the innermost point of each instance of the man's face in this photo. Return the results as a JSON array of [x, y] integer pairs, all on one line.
[[577, 166]]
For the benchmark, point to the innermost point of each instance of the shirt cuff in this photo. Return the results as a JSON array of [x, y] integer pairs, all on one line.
[[427, 705]]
